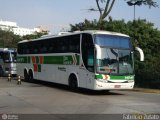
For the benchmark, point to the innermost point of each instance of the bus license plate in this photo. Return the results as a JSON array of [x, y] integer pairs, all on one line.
[[117, 86]]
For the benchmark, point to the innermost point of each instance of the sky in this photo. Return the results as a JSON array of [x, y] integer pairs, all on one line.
[[57, 15]]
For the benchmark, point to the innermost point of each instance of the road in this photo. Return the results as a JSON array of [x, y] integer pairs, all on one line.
[[47, 98]]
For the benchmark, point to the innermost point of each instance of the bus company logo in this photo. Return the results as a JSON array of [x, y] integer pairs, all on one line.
[[4, 116], [66, 61], [106, 77]]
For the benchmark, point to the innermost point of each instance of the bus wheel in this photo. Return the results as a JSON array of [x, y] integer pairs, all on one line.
[[30, 76], [25, 75], [73, 83]]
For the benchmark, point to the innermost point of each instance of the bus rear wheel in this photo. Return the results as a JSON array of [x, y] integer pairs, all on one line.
[[25, 75], [73, 85], [30, 76]]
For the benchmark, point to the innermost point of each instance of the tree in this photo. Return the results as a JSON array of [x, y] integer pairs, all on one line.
[[35, 35], [105, 11], [150, 3], [8, 39], [86, 25]]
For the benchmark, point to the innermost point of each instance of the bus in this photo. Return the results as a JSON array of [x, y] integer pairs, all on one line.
[[96, 60], [7, 61]]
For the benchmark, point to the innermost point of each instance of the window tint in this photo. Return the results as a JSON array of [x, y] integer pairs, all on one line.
[[113, 41], [52, 45]]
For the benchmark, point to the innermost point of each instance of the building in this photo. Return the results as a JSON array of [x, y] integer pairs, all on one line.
[[12, 26]]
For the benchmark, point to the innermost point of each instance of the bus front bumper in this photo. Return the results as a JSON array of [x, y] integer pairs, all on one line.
[[110, 86]]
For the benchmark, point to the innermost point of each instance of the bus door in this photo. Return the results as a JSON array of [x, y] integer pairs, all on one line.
[[87, 61]]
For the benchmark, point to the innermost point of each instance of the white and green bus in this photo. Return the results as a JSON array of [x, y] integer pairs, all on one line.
[[97, 60], [8, 61]]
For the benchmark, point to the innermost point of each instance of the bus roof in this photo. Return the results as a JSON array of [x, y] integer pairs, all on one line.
[[105, 32], [92, 32]]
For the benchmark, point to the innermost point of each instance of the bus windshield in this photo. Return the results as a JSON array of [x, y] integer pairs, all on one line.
[[115, 55], [9, 57]]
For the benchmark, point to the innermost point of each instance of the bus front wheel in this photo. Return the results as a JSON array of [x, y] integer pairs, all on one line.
[[73, 85]]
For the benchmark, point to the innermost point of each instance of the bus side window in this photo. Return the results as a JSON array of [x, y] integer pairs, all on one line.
[[73, 44]]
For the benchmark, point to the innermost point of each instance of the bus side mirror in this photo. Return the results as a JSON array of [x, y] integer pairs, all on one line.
[[141, 53]]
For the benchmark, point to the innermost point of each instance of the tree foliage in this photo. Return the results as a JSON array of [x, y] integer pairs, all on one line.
[[150, 3], [8, 39], [105, 6], [144, 35], [34, 36]]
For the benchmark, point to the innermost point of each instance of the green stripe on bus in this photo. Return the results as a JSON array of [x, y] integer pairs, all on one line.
[[129, 77], [117, 77], [22, 60], [64, 60], [53, 60], [28, 59]]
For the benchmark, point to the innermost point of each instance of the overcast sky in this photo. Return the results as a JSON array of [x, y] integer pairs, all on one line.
[[58, 14]]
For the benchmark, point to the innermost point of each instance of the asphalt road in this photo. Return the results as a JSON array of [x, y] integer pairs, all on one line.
[[46, 98]]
